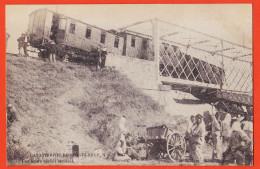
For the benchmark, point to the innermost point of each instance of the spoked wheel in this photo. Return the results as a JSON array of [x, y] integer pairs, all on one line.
[[176, 147]]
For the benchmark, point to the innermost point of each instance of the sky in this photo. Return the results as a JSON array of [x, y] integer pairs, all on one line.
[[231, 22]]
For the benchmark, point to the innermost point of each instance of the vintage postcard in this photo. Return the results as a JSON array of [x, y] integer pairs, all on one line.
[[129, 84]]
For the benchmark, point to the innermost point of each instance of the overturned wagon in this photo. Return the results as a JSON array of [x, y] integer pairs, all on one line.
[[163, 142]]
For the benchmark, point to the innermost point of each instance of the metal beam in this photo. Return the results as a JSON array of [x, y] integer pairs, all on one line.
[[195, 43], [169, 34], [169, 41], [244, 55], [222, 50], [136, 23], [204, 34]]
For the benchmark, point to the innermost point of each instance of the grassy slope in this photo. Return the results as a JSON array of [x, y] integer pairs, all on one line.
[[63, 102]]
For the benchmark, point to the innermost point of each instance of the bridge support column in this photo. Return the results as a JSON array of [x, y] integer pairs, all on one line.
[[156, 48]]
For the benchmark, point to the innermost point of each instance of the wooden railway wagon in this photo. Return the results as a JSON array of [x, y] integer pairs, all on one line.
[[137, 45], [71, 35]]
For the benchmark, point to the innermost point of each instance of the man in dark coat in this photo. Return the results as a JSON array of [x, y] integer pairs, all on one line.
[[51, 50], [22, 43], [103, 56]]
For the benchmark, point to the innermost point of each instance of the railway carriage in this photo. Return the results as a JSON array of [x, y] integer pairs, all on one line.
[[72, 36]]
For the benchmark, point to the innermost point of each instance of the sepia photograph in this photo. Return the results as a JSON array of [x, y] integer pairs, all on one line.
[[129, 85]]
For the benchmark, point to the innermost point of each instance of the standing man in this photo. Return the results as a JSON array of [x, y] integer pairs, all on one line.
[[189, 133], [216, 155], [98, 57], [103, 57], [226, 131], [198, 136], [51, 47], [21, 44], [26, 41]]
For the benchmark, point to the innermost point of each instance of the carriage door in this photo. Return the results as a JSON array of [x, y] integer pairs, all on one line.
[[54, 27], [124, 46], [61, 30], [144, 49]]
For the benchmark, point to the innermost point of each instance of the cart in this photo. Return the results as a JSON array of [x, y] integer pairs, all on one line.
[[163, 142]]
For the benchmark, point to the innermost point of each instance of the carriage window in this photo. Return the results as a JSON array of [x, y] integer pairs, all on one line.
[[72, 28], [116, 43], [133, 42], [103, 38], [88, 33]]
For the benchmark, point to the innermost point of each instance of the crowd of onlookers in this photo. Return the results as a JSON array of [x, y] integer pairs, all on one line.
[[231, 138]]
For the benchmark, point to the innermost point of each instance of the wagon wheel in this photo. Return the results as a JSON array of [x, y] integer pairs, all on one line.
[[176, 146], [151, 150]]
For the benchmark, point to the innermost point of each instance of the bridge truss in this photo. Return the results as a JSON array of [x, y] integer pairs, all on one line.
[[210, 68]]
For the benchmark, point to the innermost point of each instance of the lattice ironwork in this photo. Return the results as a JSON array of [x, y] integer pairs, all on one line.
[[200, 59], [177, 64]]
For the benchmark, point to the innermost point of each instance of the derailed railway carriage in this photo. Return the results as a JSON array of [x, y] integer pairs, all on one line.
[[71, 35]]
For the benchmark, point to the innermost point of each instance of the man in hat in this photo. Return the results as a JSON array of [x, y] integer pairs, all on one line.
[[189, 133], [198, 140], [216, 155], [22, 44], [239, 145]]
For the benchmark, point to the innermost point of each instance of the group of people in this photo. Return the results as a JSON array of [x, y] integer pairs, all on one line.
[[231, 139], [123, 151], [127, 146]]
